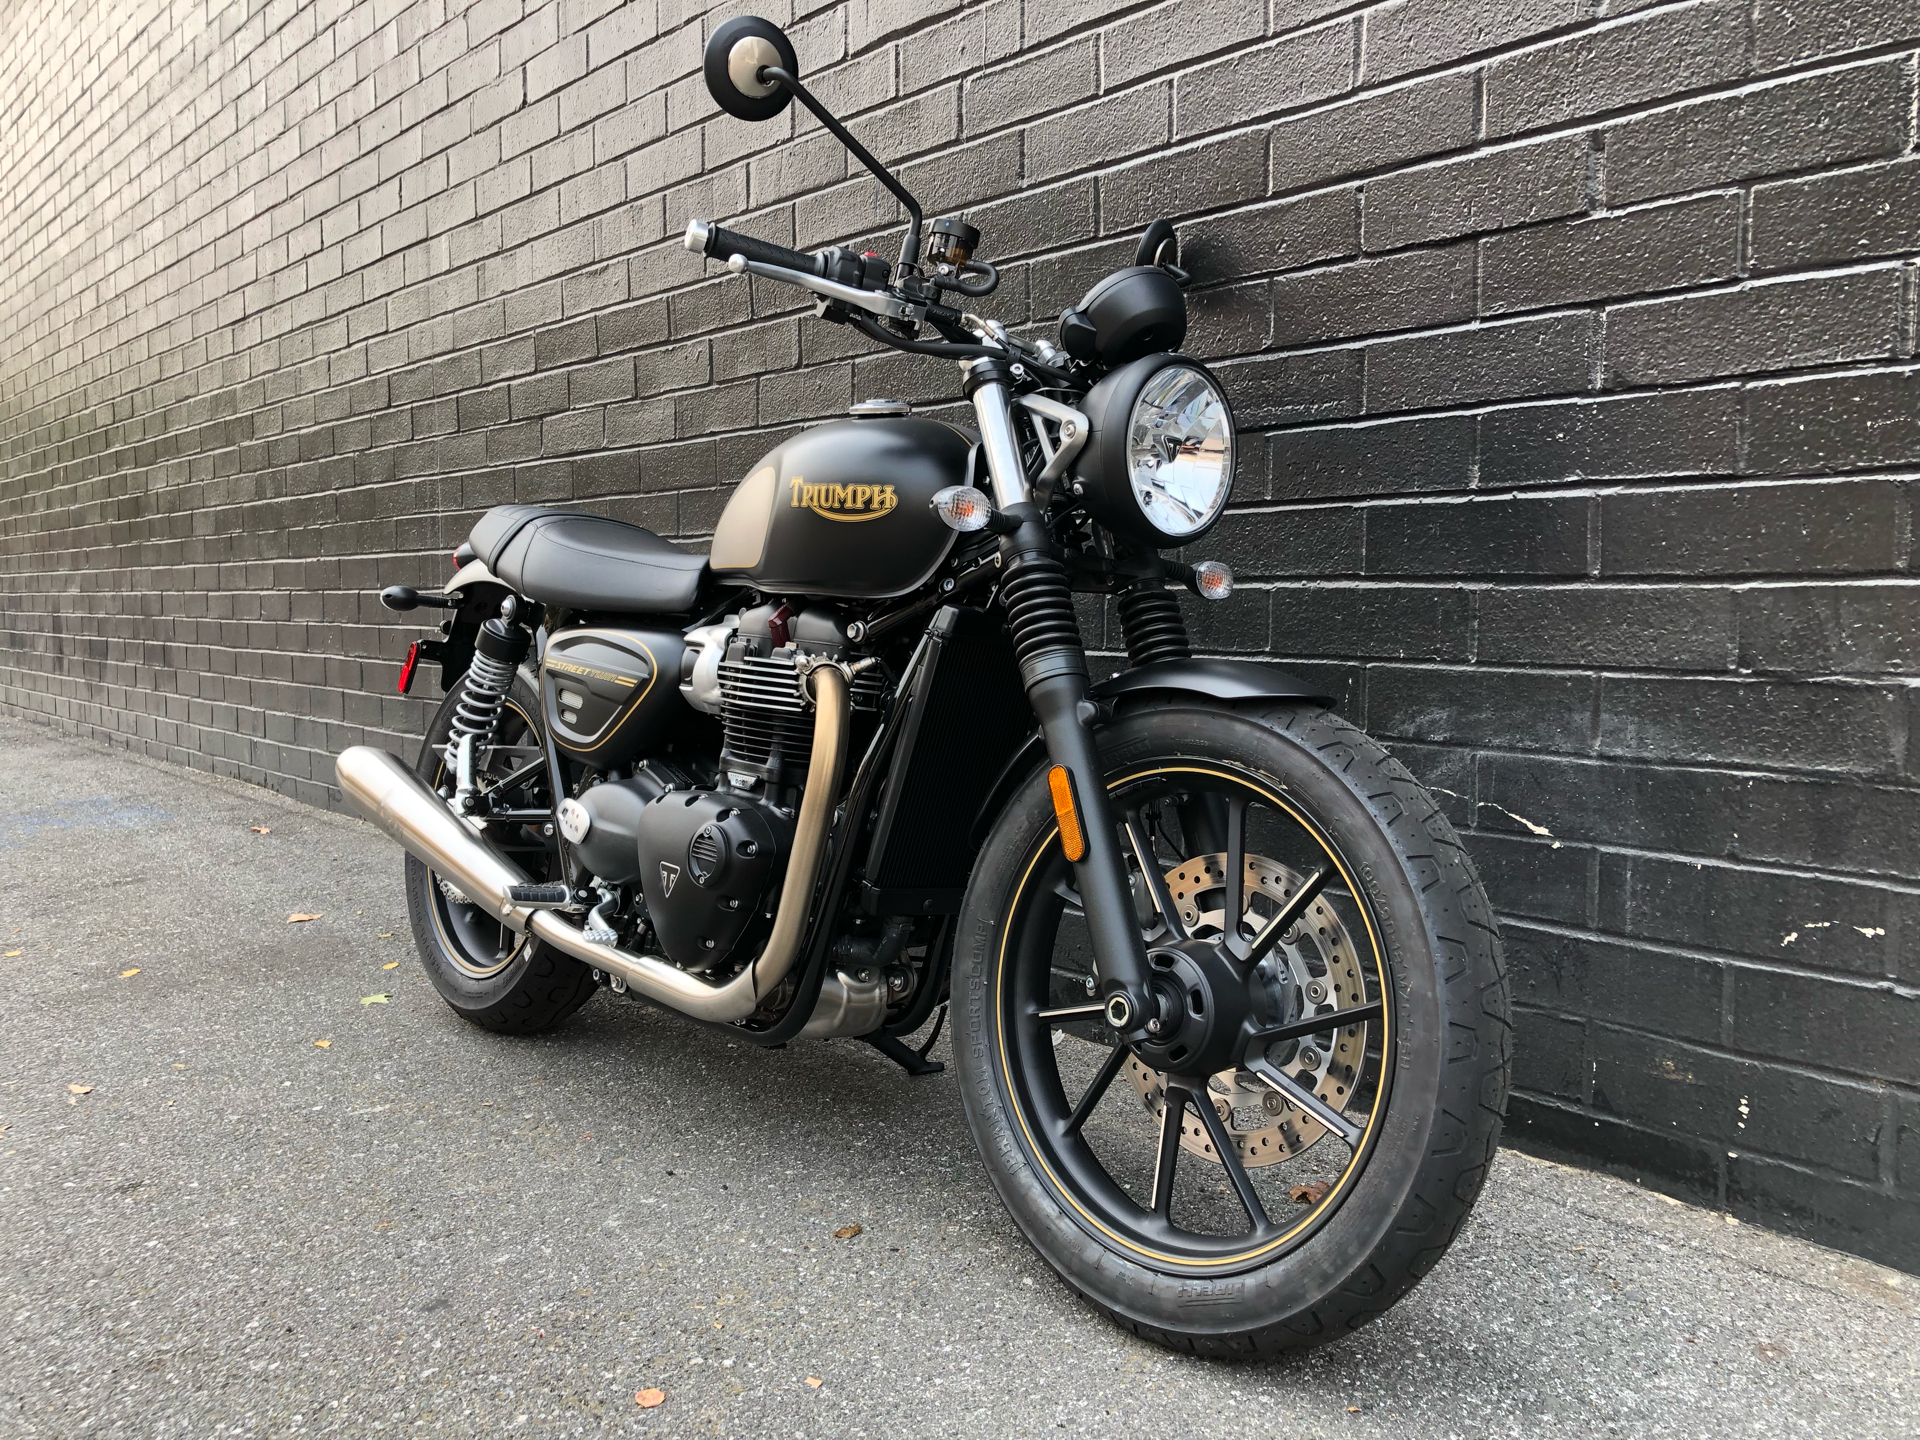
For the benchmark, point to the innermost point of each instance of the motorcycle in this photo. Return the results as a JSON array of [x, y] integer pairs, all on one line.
[[1228, 1007]]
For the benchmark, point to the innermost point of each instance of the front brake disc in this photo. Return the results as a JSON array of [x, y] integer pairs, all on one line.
[[1314, 969]]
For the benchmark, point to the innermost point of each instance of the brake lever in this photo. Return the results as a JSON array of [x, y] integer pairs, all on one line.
[[874, 302]]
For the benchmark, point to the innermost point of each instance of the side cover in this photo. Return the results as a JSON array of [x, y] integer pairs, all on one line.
[[842, 509], [608, 694]]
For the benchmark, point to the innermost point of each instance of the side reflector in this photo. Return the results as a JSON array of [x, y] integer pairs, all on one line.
[[406, 670], [1073, 839]]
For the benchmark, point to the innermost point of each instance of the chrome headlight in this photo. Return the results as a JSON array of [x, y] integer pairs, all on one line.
[[1159, 464]]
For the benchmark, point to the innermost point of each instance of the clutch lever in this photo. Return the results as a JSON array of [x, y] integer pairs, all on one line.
[[874, 302]]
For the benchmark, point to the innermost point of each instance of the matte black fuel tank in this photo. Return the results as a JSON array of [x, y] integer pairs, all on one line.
[[841, 509]]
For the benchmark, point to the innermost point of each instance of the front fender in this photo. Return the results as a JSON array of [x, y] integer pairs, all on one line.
[[1228, 681]]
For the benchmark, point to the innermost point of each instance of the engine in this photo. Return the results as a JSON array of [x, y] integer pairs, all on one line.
[[706, 855]]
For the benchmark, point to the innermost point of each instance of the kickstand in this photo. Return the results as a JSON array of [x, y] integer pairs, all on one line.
[[914, 1062], [908, 1059]]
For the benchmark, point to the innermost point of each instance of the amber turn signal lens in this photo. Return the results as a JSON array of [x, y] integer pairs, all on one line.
[[1073, 839]]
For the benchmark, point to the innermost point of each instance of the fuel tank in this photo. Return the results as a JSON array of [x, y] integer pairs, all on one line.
[[842, 509]]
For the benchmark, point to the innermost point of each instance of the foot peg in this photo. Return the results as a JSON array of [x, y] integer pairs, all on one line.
[[540, 897]]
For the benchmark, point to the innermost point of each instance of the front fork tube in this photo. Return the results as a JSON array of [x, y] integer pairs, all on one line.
[[1053, 667], [1106, 896]]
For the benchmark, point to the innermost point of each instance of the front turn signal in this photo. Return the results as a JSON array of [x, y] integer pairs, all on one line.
[[963, 508], [1073, 839], [1212, 580]]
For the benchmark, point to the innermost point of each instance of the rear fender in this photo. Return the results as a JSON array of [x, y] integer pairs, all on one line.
[[479, 592]]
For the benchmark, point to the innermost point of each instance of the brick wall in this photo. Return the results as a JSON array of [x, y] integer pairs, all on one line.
[[1574, 343]]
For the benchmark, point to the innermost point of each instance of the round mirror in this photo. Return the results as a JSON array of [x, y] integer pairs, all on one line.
[[736, 54]]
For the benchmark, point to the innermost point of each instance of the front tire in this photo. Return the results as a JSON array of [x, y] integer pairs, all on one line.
[[493, 977], [1306, 1243]]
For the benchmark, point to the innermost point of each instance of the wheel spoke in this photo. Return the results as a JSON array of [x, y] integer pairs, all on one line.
[[1305, 1099], [1096, 1089], [1150, 871], [1071, 1012], [1236, 876], [1169, 1151], [1230, 1158], [1317, 1024], [1270, 934]]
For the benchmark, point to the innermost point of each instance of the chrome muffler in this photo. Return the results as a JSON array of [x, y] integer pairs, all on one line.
[[384, 788]]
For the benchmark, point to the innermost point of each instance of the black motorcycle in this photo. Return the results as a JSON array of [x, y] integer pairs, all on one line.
[[1228, 1006]]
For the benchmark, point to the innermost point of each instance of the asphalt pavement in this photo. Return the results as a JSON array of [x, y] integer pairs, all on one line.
[[253, 1181]]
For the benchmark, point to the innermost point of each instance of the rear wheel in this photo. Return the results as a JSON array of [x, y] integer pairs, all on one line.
[[1303, 1139], [495, 977]]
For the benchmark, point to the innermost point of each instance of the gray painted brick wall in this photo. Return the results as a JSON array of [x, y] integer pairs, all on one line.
[[1575, 344]]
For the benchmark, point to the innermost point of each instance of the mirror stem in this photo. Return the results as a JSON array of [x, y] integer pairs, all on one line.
[[910, 247]]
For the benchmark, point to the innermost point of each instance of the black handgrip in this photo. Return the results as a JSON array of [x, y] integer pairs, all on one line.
[[718, 244]]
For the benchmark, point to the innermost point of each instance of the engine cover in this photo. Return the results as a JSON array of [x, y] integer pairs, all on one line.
[[603, 823], [708, 860]]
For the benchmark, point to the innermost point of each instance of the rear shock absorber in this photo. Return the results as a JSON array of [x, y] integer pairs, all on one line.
[[1150, 618], [497, 652]]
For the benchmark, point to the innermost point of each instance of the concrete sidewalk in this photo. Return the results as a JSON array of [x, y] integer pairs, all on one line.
[[423, 1228]]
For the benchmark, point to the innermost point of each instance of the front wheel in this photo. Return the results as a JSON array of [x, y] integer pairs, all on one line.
[[1302, 1140]]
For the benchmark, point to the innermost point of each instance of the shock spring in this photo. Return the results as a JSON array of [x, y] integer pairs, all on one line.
[[496, 655]]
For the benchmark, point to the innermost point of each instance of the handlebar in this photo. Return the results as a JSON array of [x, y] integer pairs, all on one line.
[[744, 254], [705, 238]]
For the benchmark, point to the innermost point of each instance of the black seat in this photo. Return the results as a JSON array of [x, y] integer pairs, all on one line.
[[586, 562]]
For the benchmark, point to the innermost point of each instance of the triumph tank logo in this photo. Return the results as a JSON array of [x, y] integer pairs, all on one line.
[[844, 502], [668, 874]]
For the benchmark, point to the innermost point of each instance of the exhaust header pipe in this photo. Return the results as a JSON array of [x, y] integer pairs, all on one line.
[[385, 790]]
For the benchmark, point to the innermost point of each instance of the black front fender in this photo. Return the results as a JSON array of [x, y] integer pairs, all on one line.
[[1228, 681]]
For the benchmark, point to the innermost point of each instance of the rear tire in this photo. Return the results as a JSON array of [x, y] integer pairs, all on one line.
[[530, 987], [1411, 1178]]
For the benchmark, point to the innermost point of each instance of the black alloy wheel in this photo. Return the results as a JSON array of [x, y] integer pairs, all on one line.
[[1266, 1076], [1301, 1137]]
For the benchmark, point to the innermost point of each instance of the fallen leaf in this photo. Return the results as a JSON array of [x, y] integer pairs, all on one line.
[[847, 1232], [391, 965], [15, 954], [322, 1044], [647, 1399], [79, 1089], [1312, 1193], [299, 919], [815, 1381], [375, 999], [260, 830], [1353, 1409], [128, 974]]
